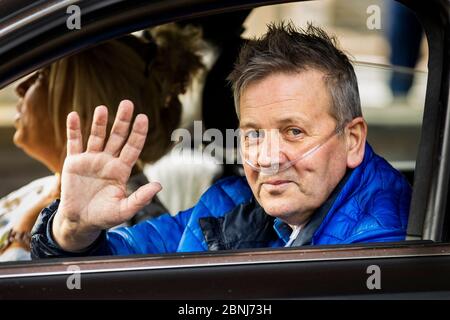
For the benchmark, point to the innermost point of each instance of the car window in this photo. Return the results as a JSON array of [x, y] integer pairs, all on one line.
[[391, 84]]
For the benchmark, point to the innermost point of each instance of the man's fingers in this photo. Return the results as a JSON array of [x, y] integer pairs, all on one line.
[[138, 199], [132, 149], [98, 129], [119, 131], [74, 139]]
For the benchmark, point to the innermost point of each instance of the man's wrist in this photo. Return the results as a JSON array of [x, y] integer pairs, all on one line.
[[44, 245], [70, 236]]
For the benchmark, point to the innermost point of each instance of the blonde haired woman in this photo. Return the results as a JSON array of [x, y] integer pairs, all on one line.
[[151, 72]]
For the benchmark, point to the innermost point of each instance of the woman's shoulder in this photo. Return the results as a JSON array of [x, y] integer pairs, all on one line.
[[35, 187], [26, 195]]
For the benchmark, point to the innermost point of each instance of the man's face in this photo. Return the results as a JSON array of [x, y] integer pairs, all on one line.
[[284, 116]]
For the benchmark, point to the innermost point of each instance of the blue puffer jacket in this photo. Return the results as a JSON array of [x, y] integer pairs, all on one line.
[[370, 205]]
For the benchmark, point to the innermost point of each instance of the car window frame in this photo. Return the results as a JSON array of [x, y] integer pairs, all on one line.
[[429, 204]]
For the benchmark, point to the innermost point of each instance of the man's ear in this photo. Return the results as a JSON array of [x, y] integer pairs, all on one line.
[[355, 135]]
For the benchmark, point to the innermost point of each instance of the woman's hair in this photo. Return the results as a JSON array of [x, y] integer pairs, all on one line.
[[150, 73]]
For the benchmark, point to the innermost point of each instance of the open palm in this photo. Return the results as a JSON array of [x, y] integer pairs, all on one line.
[[93, 182]]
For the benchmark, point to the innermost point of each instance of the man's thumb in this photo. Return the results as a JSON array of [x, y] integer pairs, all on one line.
[[140, 198]]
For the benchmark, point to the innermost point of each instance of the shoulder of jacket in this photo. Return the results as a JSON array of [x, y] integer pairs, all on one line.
[[236, 188]]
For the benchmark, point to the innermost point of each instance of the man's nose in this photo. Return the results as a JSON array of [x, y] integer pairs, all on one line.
[[269, 150]]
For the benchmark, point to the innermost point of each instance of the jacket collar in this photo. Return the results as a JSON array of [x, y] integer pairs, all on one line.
[[248, 226], [306, 234]]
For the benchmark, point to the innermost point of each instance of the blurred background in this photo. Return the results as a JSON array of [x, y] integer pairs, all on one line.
[[384, 41]]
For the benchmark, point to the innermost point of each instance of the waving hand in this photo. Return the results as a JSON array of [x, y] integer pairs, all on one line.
[[93, 182]]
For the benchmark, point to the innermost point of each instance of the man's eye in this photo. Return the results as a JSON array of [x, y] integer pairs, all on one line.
[[254, 134], [294, 132]]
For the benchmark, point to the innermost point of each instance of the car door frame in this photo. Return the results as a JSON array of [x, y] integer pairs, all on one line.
[[32, 40]]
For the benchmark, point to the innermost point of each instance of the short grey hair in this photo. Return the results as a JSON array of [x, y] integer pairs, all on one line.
[[287, 49]]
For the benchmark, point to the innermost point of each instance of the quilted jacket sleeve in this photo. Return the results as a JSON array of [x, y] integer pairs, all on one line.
[[379, 235], [160, 235], [165, 234]]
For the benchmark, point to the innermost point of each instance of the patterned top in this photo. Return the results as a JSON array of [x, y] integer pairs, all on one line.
[[15, 205]]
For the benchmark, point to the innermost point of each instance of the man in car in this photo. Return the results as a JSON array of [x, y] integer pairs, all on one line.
[[310, 176]]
